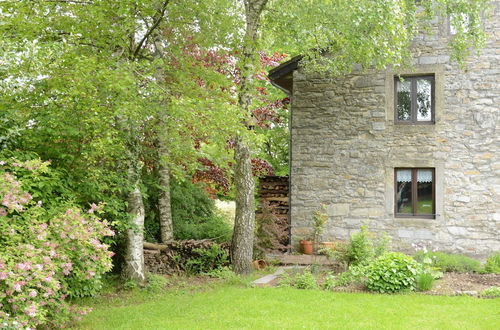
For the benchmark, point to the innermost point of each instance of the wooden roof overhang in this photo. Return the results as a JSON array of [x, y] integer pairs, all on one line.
[[282, 75]]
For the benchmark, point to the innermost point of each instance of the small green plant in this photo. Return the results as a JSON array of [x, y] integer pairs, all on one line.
[[355, 274], [305, 280], [392, 272], [424, 281], [493, 292], [493, 263], [362, 247], [450, 262], [156, 283], [320, 219], [207, 260]]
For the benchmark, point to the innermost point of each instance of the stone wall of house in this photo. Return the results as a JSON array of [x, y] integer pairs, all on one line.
[[345, 148]]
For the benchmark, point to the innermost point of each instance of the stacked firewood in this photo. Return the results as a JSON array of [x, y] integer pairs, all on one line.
[[171, 257], [273, 190], [273, 196]]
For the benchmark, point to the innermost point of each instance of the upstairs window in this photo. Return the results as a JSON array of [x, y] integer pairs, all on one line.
[[415, 190], [414, 100]]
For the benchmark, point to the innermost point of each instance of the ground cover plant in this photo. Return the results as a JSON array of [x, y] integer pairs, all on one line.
[[219, 305], [493, 263], [450, 262]]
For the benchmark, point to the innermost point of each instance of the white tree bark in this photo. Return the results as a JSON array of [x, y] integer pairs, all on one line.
[[243, 235], [134, 254]]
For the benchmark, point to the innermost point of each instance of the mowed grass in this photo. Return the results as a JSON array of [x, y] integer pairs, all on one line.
[[231, 307]]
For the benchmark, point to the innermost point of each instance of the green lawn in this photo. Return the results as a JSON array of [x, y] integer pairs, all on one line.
[[232, 307]]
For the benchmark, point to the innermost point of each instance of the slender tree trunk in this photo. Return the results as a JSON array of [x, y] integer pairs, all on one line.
[[166, 227], [134, 254], [243, 235]]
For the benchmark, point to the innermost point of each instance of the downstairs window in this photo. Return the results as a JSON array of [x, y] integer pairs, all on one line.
[[415, 192]]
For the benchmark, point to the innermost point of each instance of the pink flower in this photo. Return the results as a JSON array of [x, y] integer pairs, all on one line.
[[30, 310], [3, 276], [33, 294], [24, 266], [3, 212], [92, 209], [17, 286]]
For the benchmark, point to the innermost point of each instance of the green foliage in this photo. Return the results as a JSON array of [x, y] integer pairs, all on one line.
[[320, 218], [362, 247], [47, 251], [493, 292], [493, 263], [354, 275], [207, 260], [301, 280], [194, 214], [450, 262], [392, 272], [156, 283], [424, 281]]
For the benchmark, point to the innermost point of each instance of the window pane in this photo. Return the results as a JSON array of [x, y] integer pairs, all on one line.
[[403, 194], [403, 106], [424, 100], [424, 192]]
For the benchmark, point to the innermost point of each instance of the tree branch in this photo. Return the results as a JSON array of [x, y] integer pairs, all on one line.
[[152, 28]]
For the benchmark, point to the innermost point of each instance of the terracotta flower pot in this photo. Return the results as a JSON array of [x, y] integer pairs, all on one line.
[[328, 245], [306, 247], [259, 264]]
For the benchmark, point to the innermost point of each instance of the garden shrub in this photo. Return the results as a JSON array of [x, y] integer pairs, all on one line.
[[493, 263], [424, 281], [46, 253], [207, 260], [392, 272], [305, 280], [194, 214], [361, 248], [355, 274], [450, 262]]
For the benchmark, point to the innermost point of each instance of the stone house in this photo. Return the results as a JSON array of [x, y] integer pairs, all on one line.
[[417, 158]]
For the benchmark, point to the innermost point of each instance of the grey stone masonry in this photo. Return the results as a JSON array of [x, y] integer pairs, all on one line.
[[345, 146]]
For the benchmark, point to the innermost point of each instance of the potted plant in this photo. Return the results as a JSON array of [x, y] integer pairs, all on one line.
[[320, 219]]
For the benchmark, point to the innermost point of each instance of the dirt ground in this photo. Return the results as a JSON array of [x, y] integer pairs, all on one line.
[[456, 283]]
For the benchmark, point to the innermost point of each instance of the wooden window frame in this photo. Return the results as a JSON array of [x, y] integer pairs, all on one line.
[[414, 193], [413, 104]]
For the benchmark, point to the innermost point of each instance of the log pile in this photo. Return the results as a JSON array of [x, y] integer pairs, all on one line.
[[170, 258], [273, 194]]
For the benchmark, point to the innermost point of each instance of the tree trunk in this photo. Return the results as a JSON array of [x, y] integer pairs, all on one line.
[[166, 227], [134, 254], [243, 234]]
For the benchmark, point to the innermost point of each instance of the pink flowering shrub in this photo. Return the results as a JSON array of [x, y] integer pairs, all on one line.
[[46, 254]]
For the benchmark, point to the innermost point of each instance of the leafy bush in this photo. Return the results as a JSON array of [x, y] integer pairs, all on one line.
[[450, 262], [194, 214], [493, 292], [392, 272], [493, 263], [355, 274], [304, 280], [207, 260], [424, 281], [156, 283], [46, 253], [361, 248]]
